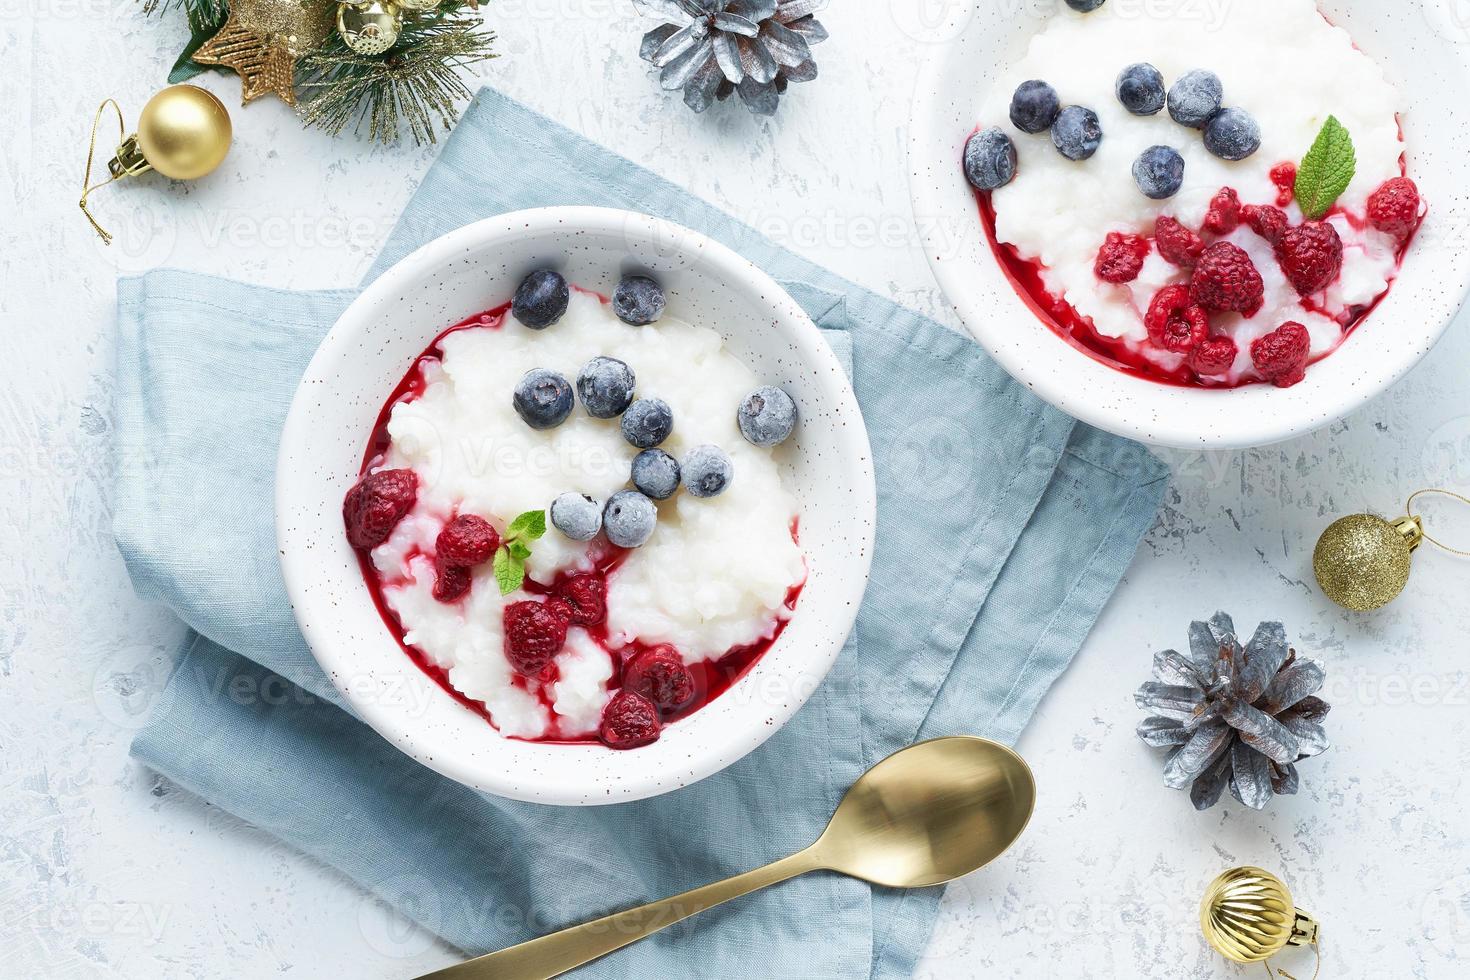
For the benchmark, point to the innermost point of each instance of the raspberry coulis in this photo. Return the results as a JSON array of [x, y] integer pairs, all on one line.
[[1025, 276], [711, 677]]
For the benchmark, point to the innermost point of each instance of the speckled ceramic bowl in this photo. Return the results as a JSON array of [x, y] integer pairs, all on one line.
[[1423, 46], [477, 268]]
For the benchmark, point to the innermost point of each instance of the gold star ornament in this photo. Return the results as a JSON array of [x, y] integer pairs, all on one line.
[[262, 39]]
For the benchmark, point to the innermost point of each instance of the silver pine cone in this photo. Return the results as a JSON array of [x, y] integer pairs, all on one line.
[[714, 48], [1243, 717]]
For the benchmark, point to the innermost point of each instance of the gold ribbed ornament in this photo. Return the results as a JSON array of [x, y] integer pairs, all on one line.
[[369, 28], [1247, 915]]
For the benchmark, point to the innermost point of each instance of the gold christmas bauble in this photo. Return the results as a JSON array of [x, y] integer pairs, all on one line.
[[1247, 916], [369, 28], [1362, 561], [184, 132]]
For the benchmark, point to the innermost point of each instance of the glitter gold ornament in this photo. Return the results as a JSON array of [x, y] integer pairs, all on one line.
[[369, 28], [261, 41], [1248, 916], [183, 132], [1362, 561]]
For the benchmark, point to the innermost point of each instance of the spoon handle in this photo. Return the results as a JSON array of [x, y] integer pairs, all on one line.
[[554, 954]]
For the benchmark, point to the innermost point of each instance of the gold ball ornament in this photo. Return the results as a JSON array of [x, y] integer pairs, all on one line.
[[184, 132], [1247, 915], [1362, 561], [369, 28]]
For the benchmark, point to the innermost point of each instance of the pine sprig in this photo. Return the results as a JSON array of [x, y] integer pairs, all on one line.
[[416, 82]]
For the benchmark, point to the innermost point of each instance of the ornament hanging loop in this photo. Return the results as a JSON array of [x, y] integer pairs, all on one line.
[[1444, 493], [116, 167]]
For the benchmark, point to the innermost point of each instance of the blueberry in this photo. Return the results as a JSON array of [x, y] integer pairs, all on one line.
[[638, 300], [1195, 97], [1077, 132], [577, 516], [990, 159], [766, 417], [543, 399], [1159, 171], [1232, 134], [629, 518], [541, 299], [707, 471], [1034, 107], [1141, 89], [647, 422], [605, 386], [1085, 6], [656, 473]]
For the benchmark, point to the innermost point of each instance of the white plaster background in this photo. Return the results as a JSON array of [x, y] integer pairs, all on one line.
[[105, 871]]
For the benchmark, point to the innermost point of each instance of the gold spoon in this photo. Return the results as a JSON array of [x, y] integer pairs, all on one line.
[[923, 816]]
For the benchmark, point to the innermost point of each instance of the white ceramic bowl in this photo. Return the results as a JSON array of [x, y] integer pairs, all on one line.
[[1423, 46], [476, 268]]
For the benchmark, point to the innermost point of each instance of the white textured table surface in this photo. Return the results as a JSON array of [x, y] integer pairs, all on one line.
[[106, 871]]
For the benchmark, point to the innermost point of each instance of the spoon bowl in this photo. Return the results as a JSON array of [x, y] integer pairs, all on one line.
[[930, 813], [923, 816]]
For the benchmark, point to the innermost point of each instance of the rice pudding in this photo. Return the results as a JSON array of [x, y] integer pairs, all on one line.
[[521, 430], [1139, 173]]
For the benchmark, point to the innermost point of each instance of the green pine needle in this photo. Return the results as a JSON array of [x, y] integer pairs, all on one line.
[[415, 83]]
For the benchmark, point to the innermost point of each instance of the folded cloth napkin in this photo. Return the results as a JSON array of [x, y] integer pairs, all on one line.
[[1003, 527]]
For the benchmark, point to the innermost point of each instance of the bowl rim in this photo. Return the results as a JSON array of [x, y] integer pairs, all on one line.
[[1106, 397], [647, 777]]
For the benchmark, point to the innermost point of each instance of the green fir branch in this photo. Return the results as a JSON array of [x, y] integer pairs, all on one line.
[[415, 83]]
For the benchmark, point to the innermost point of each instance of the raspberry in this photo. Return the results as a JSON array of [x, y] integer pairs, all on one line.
[[1283, 175], [561, 609], [1174, 322], [1311, 256], [1225, 280], [1121, 258], [1267, 221], [1213, 355], [1281, 355], [1224, 214], [451, 582], [375, 505], [659, 674], [1394, 207], [628, 721], [467, 541], [534, 633], [586, 598], [1177, 244]]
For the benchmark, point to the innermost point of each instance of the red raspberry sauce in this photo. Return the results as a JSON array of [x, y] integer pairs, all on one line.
[[712, 678]]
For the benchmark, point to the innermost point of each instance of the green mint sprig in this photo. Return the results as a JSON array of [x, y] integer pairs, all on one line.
[[1326, 170], [510, 557]]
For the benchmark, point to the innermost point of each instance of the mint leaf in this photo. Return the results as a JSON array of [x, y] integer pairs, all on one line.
[[510, 571], [519, 550], [1326, 170], [528, 527]]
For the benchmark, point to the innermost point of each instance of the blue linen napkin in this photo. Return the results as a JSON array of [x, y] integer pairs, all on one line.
[[1003, 527]]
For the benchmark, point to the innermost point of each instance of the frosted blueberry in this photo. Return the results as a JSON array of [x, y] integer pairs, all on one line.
[[1159, 172], [605, 385], [629, 518], [541, 299], [647, 422], [1034, 107], [542, 398], [707, 471], [638, 300], [1141, 89], [766, 417], [1195, 97], [577, 516], [656, 473], [990, 159], [1077, 133], [1232, 134], [1085, 6]]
